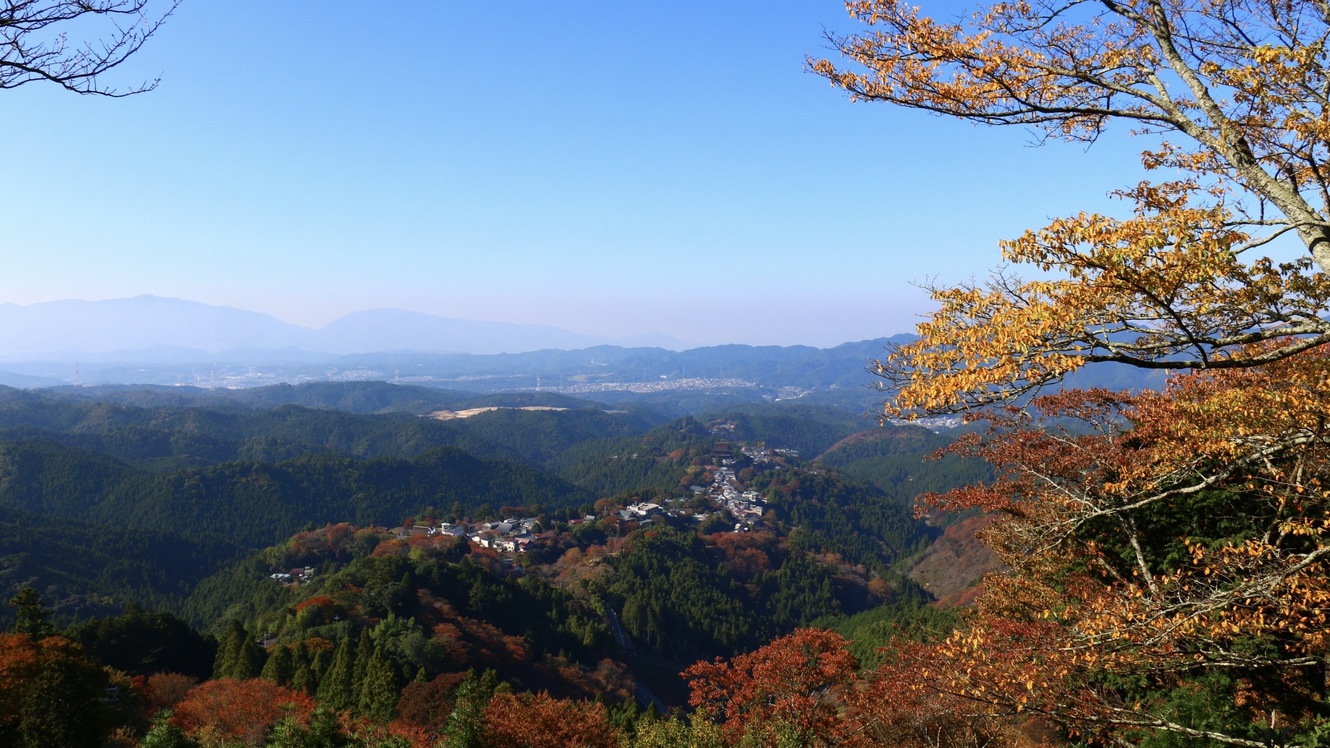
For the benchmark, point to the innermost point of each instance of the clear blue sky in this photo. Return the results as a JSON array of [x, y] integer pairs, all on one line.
[[611, 168]]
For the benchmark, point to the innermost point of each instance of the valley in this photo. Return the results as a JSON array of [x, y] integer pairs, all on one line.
[[562, 546]]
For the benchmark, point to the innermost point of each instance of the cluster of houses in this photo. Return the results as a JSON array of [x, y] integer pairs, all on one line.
[[745, 507], [509, 536], [518, 535], [762, 454], [294, 576], [643, 513]]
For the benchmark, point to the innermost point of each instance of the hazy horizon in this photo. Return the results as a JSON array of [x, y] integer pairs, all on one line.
[[609, 169], [72, 326]]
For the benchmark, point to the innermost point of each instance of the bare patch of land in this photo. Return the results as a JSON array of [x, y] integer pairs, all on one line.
[[448, 415]]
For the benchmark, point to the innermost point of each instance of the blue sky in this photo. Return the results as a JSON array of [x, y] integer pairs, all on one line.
[[606, 167]]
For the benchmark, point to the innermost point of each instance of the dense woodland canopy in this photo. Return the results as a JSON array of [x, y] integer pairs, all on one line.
[[157, 591]]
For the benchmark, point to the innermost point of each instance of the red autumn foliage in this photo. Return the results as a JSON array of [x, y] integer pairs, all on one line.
[[746, 554], [427, 705], [327, 609], [316, 644], [434, 546], [240, 710], [23, 662], [369, 732], [318, 601], [390, 547], [792, 684]]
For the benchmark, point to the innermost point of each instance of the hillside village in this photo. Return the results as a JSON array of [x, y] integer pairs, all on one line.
[[724, 499]]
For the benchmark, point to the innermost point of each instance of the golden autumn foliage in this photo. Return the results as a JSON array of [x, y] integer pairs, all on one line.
[[1231, 97], [1166, 551]]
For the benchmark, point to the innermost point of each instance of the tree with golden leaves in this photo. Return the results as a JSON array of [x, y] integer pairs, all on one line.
[[1167, 551], [1232, 97]]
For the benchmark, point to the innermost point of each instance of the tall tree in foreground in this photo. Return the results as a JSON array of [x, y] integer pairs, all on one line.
[[1232, 96], [1167, 551], [51, 694]]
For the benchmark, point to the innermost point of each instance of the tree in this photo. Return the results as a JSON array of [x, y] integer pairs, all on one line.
[[789, 688], [238, 654], [35, 46], [142, 643], [51, 694], [1167, 551], [465, 726], [542, 721], [1230, 94], [162, 691], [379, 689], [242, 711], [673, 733], [280, 667], [1168, 555], [427, 704], [335, 688], [323, 731], [163, 734], [32, 617]]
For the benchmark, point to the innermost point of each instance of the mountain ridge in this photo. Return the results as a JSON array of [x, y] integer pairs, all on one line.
[[73, 328]]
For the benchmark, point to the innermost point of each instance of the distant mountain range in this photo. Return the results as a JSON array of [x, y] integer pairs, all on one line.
[[162, 329], [153, 340]]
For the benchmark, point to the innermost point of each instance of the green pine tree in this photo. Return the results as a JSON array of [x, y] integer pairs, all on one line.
[[33, 618], [335, 685], [63, 706], [322, 660], [163, 734], [303, 677], [281, 666], [379, 688], [249, 660], [466, 722], [229, 645], [364, 652]]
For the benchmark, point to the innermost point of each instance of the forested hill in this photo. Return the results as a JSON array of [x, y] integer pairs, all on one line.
[[365, 398], [162, 428], [161, 487], [258, 503], [889, 457], [416, 547], [89, 528], [765, 366]]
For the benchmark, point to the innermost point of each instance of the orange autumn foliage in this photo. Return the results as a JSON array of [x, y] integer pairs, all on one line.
[[1151, 538], [243, 711], [541, 721], [165, 690], [43, 678]]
